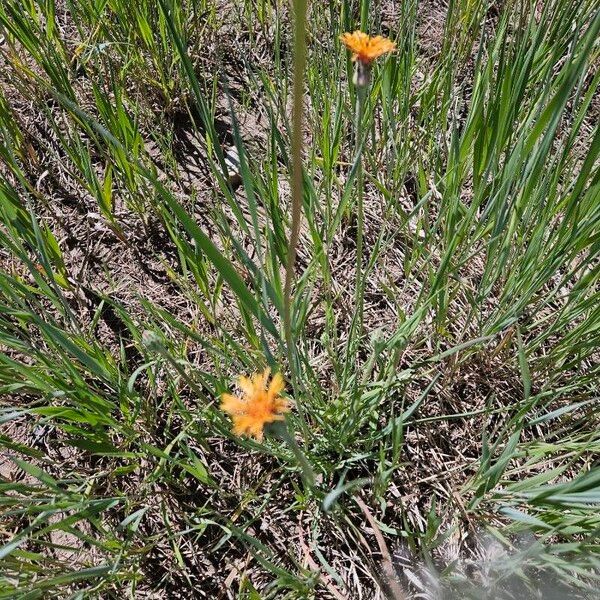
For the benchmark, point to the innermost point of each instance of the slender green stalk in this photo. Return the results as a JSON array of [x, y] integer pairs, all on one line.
[[280, 429], [300, 7], [360, 109], [361, 80]]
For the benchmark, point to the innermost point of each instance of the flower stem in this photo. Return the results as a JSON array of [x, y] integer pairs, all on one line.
[[280, 429], [361, 82], [360, 108], [297, 193]]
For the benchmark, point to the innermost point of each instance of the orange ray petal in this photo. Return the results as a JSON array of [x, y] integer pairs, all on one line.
[[277, 385], [232, 404]]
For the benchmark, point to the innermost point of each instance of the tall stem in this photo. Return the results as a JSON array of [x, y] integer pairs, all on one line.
[[308, 476], [361, 82], [360, 108], [297, 189]]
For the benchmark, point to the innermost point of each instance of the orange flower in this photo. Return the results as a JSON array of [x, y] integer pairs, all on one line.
[[366, 49], [258, 406]]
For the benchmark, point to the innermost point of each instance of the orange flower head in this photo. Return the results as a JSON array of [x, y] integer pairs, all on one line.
[[259, 405], [365, 48]]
